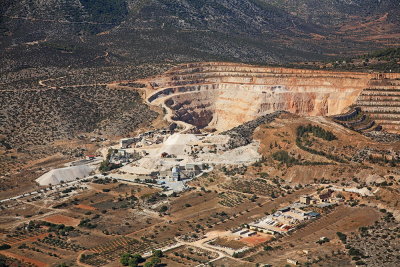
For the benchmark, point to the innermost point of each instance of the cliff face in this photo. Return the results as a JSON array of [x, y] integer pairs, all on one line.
[[223, 95]]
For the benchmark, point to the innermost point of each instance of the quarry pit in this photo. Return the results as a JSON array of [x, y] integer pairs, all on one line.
[[219, 96]]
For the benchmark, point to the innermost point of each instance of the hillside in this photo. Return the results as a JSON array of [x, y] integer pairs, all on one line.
[[383, 60], [134, 31], [305, 149]]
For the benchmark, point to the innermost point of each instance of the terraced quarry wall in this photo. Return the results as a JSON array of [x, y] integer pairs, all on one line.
[[224, 95], [381, 101]]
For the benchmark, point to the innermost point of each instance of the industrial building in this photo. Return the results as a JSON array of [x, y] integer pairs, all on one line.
[[182, 172]]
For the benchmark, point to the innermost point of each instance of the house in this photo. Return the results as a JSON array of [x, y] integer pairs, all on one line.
[[325, 196], [305, 199]]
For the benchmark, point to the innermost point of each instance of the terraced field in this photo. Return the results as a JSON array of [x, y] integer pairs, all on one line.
[[110, 251]]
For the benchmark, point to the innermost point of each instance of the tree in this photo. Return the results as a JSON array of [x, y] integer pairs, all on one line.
[[342, 237], [138, 258], [133, 262], [124, 260], [268, 248], [157, 253], [155, 261], [5, 246], [128, 259], [163, 209]]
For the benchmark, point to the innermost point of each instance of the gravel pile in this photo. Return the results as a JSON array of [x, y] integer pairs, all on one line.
[[68, 174]]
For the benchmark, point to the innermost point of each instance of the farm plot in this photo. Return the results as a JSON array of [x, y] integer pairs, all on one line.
[[231, 199], [87, 199], [19, 211], [191, 203], [28, 261], [48, 253], [60, 243], [85, 207], [111, 251], [255, 186], [191, 256], [24, 236], [122, 221], [114, 204], [231, 263]]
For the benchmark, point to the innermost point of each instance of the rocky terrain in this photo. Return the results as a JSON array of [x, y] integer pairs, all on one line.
[[243, 134]]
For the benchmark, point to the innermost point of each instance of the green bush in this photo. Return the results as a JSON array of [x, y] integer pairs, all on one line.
[[283, 156], [342, 236], [5, 246], [268, 248], [316, 131]]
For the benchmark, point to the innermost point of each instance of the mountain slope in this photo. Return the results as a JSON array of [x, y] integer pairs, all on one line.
[[257, 31]]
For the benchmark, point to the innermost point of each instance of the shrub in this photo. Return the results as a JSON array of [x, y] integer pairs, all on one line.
[[5, 246], [317, 131], [342, 237], [163, 209], [268, 248]]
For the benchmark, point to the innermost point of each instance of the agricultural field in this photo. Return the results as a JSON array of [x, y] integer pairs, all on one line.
[[256, 186], [187, 255]]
